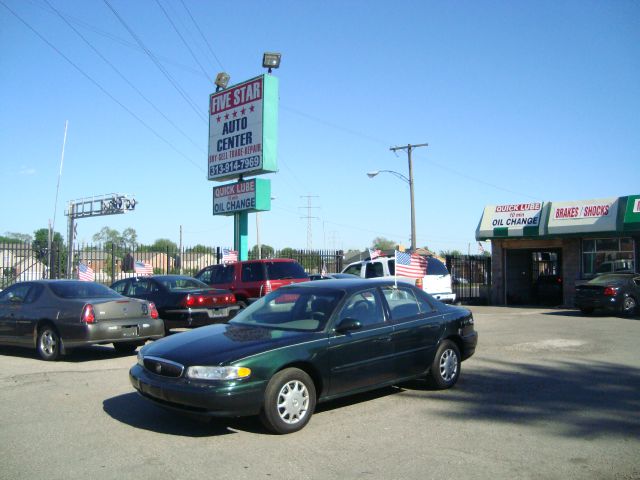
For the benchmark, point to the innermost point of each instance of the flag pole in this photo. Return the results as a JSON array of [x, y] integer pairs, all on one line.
[[395, 270]]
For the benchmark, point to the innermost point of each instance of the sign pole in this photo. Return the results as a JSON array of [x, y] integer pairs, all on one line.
[[241, 235]]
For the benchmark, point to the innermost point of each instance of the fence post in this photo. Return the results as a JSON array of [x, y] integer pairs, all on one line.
[[113, 261]]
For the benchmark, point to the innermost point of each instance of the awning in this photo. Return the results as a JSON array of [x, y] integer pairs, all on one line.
[[602, 216]]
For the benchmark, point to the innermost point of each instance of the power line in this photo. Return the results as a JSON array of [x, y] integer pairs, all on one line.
[[201, 34], [309, 218], [179, 89], [184, 41], [107, 93], [117, 39], [122, 76]]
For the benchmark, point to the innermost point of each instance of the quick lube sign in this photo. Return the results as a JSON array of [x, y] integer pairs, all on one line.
[[243, 129], [521, 214], [513, 220], [252, 195]]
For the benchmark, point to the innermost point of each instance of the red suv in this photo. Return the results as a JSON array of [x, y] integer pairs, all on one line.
[[251, 279]]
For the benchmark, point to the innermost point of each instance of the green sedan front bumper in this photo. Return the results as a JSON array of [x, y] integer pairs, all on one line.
[[218, 399]]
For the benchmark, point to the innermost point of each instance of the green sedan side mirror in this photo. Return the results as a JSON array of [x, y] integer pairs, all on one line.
[[348, 325]]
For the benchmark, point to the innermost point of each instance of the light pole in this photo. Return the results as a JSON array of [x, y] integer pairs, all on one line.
[[410, 182]]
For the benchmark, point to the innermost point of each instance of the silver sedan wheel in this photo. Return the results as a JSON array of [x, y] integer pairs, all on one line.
[[48, 342], [293, 402], [448, 365]]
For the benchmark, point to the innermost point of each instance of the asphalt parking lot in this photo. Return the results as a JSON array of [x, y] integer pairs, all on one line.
[[549, 394]]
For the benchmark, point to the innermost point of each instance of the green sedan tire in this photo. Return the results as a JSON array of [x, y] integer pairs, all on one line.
[[445, 369], [289, 401]]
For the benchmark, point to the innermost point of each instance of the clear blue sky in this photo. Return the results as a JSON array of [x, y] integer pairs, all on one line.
[[517, 100]]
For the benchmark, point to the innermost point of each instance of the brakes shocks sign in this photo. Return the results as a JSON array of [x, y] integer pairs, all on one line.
[[599, 215], [243, 129]]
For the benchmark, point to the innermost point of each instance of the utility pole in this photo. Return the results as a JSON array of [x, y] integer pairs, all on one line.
[[409, 148], [309, 218], [180, 251]]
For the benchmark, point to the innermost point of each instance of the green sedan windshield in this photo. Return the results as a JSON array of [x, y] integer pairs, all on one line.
[[291, 309]]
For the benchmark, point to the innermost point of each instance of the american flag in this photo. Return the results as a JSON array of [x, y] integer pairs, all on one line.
[[229, 256], [85, 273], [410, 265], [142, 268], [374, 253]]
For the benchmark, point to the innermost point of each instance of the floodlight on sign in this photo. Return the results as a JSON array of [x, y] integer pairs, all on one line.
[[271, 60], [222, 80]]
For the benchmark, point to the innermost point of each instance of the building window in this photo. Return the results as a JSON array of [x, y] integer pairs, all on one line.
[[603, 255]]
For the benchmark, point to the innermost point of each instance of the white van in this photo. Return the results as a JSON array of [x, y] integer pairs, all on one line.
[[437, 281]]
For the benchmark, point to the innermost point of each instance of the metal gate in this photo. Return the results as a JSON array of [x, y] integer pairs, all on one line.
[[470, 278]]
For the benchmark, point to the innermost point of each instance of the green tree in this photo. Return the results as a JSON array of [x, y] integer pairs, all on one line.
[[6, 239], [287, 252], [40, 247], [383, 243], [199, 249], [453, 253], [129, 238], [13, 237], [109, 236], [162, 244], [267, 251]]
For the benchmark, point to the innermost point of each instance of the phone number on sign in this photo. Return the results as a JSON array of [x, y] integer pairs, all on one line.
[[234, 166]]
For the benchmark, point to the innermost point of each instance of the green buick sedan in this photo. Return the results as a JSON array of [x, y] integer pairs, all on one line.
[[307, 343]]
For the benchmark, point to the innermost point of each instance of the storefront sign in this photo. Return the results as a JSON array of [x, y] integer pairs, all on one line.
[[632, 214], [252, 195], [583, 216], [515, 220], [243, 129]]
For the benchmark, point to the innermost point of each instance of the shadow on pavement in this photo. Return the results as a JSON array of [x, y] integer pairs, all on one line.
[[579, 400], [137, 412], [80, 354], [596, 314]]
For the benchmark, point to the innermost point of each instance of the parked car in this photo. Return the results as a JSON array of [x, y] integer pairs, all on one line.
[[181, 301], [252, 279], [623, 265], [613, 292], [307, 343], [327, 276], [437, 281], [54, 316]]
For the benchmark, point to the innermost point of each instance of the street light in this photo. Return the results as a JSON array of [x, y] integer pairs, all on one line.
[[222, 80], [271, 60], [413, 210], [397, 174]]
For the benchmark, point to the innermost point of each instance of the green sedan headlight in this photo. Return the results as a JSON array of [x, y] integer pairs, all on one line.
[[218, 373]]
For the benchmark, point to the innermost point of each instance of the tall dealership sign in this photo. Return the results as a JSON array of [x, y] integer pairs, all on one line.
[[243, 129], [243, 136]]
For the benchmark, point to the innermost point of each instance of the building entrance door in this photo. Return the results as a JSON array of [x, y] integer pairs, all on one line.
[[533, 277]]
